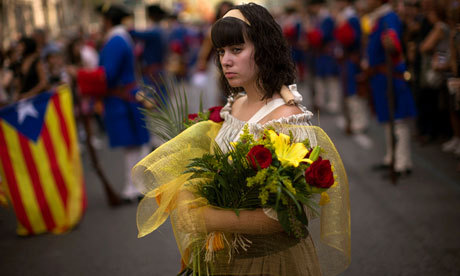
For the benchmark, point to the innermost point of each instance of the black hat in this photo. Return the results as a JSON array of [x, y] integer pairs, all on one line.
[[313, 2], [114, 12], [156, 12]]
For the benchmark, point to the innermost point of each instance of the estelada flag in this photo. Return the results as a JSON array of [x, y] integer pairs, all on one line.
[[40, 163]]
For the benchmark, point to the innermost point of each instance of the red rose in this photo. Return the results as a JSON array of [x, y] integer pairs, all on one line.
[[319, 174], [259, 155], [192, 117], [214, 114]]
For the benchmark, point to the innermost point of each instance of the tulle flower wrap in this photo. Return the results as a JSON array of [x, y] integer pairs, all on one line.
[[169, 193]]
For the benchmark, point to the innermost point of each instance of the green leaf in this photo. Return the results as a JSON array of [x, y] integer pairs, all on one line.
[[283, 218], [296, 202], [167, 120], [315, 153], [302, 217], [278, 197]]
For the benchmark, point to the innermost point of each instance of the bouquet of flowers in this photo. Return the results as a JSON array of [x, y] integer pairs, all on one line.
[[269, 172]]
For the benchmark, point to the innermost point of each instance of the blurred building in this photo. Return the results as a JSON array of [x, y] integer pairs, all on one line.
[[65, 17], [19, 17]]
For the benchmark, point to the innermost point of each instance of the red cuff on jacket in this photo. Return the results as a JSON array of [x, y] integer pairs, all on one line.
[[345, 34], [397, 54], [315, 38], [394, 39], [176, 47], [92, 82], [289, 31]]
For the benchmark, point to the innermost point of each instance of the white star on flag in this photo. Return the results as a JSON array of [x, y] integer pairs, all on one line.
[[24, 109]]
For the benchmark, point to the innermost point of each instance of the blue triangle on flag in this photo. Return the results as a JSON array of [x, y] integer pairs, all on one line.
[[28, 115]]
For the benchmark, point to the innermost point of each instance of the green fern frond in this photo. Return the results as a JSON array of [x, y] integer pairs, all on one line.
[[167, 119]]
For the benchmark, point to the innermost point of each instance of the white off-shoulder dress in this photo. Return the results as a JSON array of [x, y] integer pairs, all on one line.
[[274, 254]]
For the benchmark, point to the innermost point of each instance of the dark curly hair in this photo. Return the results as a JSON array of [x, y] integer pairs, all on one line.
[[272, 53]]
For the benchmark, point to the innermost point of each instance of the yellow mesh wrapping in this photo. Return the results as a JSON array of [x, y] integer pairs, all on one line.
[[260, 247]]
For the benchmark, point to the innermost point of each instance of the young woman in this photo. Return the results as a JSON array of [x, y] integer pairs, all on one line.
[[256, 69]]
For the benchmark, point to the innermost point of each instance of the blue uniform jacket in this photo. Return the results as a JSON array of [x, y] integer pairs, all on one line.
[[123, 120], [155, 48], [404, 102], [325, 63], [348, 34]]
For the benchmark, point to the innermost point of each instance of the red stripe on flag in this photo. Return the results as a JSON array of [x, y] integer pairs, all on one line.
[[84, 197], [13, 185], [62, 122], [36, 183], [57, 174]]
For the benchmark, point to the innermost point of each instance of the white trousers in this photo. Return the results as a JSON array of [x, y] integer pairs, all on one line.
[[357, 109], [132, 155], [403, 158], [328, 94]]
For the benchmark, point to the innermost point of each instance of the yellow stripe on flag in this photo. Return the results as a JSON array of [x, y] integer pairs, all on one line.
[[25, 187], [75, 204], [3, 197], [50, 190], [70, 167], [21, 230]]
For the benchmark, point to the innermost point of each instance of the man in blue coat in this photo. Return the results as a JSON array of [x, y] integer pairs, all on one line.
[[320, 37], [386, 33], [155, 46], [348, 34], [123, 121]]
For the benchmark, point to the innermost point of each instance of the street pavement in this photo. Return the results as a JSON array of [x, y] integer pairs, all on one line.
[[408, 229]]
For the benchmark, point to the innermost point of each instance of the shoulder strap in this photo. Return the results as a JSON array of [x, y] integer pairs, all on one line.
[[266, 109]]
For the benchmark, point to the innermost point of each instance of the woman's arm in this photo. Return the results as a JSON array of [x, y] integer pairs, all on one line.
[[248, 222], [195, 218], [432, 39], [42, 82]]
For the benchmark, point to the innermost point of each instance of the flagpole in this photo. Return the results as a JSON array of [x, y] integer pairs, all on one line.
[[112, 197]]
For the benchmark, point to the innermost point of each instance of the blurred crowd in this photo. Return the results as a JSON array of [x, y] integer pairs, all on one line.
[[324, 46]]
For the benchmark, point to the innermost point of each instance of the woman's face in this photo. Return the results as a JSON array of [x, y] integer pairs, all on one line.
[[238, 64]]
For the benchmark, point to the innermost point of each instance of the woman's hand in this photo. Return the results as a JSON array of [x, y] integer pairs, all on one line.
[[247, 222]]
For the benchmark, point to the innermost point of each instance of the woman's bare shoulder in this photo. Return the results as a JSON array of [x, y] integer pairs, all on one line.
[[283, 111], [238, 102]]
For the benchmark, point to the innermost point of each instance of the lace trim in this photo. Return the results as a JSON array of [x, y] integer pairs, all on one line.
[[225, 114]]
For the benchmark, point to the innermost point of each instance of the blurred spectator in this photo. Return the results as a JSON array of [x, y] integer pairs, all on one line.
[[177, 45], [31, 74], [55, 67], [3, 80], [453, 83], [82, 56], [434, 49], [154, 44]]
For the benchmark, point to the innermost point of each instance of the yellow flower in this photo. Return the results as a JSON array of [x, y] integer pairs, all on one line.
[[324, 199], [287, 154]]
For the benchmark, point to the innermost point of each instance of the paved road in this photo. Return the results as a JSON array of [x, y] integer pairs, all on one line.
[[409, 229]]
